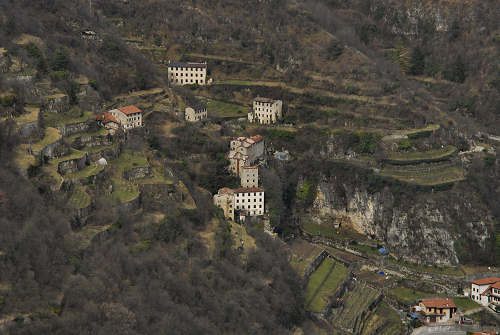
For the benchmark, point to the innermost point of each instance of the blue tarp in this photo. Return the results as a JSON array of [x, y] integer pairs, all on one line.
[[381, 273], [413, 316], [382, 251]]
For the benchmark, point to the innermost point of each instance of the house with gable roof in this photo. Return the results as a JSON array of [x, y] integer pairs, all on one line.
[[437, 310], [245, 151], [485, 291], [129, 117]]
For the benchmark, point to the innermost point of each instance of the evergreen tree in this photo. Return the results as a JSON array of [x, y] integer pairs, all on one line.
[[417, 62]]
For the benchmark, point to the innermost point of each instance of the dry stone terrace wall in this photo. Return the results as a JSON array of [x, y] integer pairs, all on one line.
[[74, 128], [107, 153], [57, 104], [89, 141], [54, 150], [29, 129], [138, 172], [73, 165]]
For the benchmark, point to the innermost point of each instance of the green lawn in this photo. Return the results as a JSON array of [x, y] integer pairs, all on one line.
[[425, 175], [74, 115], [90, 170], [130, 159], [411, 156], [79, 198], [123, 190], [407, 295], [465, 304], [31, 115], [225, 109], [319, 229], [323, 283]]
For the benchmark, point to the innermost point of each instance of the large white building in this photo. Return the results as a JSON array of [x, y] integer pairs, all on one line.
[[129, 116], [180, 73], [485, 291], [196, 113], [245, 151], [265, 111], [248, 201]]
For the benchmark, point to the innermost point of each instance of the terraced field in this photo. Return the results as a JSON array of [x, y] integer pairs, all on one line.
[[425, 174], [323, 283], [225, 109], [413, 157], [350, 315], [303, 254], [382, 321]]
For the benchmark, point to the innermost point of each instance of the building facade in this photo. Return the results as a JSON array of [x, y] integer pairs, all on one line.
[[249, 176], [265, 111], [180, 73], [241, 202], [249, 200], [224, 199], [196, 113], [108, 121], [245, 151], [438, 310], [480, 288], [129, 117]]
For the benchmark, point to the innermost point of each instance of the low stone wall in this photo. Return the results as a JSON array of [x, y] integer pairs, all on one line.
[[54, 150], [74, 128], [315, 264], [131, 205], [88, 141], [138, 172], [73, 165], [107, 153]]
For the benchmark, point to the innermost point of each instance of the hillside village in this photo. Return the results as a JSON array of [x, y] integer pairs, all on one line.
[[350, 178]]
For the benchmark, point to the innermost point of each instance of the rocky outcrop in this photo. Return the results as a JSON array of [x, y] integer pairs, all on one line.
[[54, 150], [421, 228], [73, 165], [74, 128], [89, 141], [29, 129], [138, 173]]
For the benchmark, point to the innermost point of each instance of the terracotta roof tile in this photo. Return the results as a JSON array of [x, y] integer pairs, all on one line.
[[486, 281], [438, 303], [129, 110], [248, 189], [106, 118]]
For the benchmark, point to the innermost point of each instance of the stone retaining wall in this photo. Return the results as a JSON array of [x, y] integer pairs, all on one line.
[[138, 173], [74, 128], [73, 165]]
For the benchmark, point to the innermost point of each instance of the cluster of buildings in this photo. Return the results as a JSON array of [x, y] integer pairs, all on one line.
[[248, 200], [127, 118]]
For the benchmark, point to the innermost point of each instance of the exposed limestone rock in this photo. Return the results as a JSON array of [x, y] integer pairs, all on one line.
[[422, 230], [74, 128], [138, 172]]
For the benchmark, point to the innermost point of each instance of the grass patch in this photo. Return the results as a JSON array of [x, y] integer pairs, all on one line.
[[22, 158], [407, 295], [31, 115], [130, 159], [158, 178], [323, 283], [465, 304], [225, 109], [319, 229], [123, 190], [79, 198], [418, 156], [51, 135], [100, 132], [383, 321], [425, 174], [74, 115], [91, 170]]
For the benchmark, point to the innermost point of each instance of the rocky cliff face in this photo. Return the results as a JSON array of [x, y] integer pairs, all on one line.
[[420, 228]]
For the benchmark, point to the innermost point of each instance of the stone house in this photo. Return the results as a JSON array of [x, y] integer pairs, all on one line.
[[438, 310], [249, 176], [245, 151], [265, 111], [129, 117], [108, 121], [224, 199], [486, 291], [180, 73], [196, 113]]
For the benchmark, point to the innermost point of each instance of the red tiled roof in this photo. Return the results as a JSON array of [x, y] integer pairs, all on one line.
[[226, 190], [248, 189], [106, 118], [129, 110], [486, 332], [251, 167], [495, 285], [438, 303], [257, 138], [486, 281], [261, 99]]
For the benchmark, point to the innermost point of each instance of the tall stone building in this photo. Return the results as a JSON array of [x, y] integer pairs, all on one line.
[[245, 151], [249, 176], [265, 111]]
